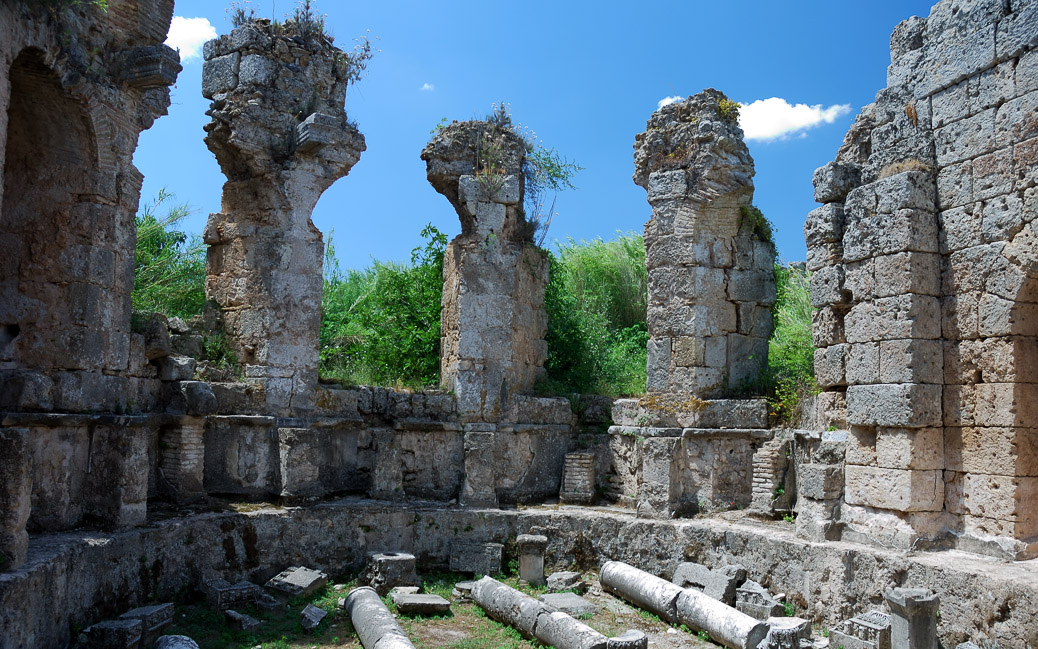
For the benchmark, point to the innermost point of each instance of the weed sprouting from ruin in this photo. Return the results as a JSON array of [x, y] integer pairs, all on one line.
[[240, 13], [728, 110]]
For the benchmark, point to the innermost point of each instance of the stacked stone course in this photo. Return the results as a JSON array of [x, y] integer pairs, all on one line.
[[924, 280]]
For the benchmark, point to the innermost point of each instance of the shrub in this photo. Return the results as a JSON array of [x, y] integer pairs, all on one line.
[[381, 326], [169, 266], [791, 373], [595, 302]]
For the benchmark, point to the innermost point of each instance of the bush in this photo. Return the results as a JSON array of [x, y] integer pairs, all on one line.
[[791, 372], [169, 266], [595, 302], [381, 325]]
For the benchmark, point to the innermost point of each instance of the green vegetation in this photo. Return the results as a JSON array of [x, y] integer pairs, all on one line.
[[761, 226], [728, 110], [791, 373], [169, 266], [381, 325], [596, 301], [788, 608], [703, 635]]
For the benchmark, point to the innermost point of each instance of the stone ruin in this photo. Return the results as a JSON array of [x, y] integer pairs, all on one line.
[[914, 469]]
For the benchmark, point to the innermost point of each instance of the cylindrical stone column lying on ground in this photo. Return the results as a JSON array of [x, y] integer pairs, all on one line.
[[534, 619], [373, 622], [683, 606], [641, 589]]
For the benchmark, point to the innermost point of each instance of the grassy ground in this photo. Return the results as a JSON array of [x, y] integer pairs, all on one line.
[[467, 627]]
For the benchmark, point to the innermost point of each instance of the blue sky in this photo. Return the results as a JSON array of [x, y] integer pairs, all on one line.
[[585, 76]]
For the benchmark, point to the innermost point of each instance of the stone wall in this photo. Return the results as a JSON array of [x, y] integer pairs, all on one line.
[[61, 585], [493, 323], [77, 86], [710, 261], [924, 276], [280, 133]]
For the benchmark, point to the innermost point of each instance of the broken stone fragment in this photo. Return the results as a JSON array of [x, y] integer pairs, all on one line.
[[387, 570], [476, 558], [569, 603], [566, 580], [421, 604], [112, 633], [630, 639], [297, 582], [175, 642], [311, 617], [241, 621]]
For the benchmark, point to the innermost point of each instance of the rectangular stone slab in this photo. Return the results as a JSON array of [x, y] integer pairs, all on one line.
[[421, 604], [298, 582], [569, 603]]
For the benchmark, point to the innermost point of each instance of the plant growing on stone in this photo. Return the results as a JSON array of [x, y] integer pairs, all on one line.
[[169, 265], [240, 13], [752, 217], [790, 376], [728, 110]]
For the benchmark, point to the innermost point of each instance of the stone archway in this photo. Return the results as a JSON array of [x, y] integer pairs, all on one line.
[[49, 301]]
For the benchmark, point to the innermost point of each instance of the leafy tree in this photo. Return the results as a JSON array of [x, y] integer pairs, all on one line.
[[169, 265], [381, 326]]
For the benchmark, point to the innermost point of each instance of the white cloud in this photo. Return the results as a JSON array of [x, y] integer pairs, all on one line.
[[667, 101], [769, 119], [187, 35], [427, 87]]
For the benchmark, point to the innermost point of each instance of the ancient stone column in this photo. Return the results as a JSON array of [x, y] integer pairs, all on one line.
[[709, 254], [281, 136], [913, 620], [493, 322], [531, 558]]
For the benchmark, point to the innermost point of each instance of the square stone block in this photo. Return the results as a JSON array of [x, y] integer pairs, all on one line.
[[910, 448], [892, 318], [1002, 498], [911, 361], [896, 405], [861, 446], [820, 481], [1008, 451], [895, 489]]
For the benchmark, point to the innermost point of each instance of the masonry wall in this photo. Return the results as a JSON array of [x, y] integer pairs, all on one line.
[[924, 276]]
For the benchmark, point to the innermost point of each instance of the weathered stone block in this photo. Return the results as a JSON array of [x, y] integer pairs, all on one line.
[[820, 481], [569, 603], [824, 224], [833, 180], [908, 272], [827, 287], [913, 619], [910, 448], [955, 186], [220, 74], [861, 446], [297, 581], [831, 365], [960, 228], [892, 318], [827, 326], [863, 363], [907, 230], [897, 489], [966, 139], [16, 464], [1004, 498], [421, 604], [256, 69], [476, 558], [388, 570], [911, 361], [1009, 451], [910, 405], [665, 185], [718, 584], [1015, 33]]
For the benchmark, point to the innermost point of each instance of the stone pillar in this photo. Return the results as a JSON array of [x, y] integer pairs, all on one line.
[[15, 496], [478, 487], [531, 558], [709, 253], [913, 621], [281, 136], [182, 461], [493, 322]]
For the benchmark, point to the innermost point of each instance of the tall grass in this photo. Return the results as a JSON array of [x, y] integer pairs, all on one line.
[[169, 265], [791, 372], [595, 301]]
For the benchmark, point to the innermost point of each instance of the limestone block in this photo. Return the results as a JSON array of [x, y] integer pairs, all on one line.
[[665, 185], [1010, 451], [951, 104], [311, 616], [993, 174], [862, 363], [566, 580], [241, 621], [966, 139], [861, 446], [896, 489], [912, 405], [476, 558], [892, 318], [831, 408], [1005, 404], [316, 131], [960, 228], [1026, 72], [824, 225], [955, 186], [751, 285], [1002, 498], [950, 56], [824, 254], [911, 361], [1015, 120], [297, 581], [569, 603], [906, 230], [175, 642], [831, 365], [256, 69], [827, 327], [818, 520], [960, 317], [718, 584], [421, 604], [176, 368], [827, 287], [910, 448], [820, 481], [629, 639], [833, 180], [913, 618], [388, 570], [531, 558], [1025, 169], [908, 272], [860, 280], [478, 488], [114, 633], [220, 74], [153, 619], [246, 37], [869, 630], [16, 466]]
